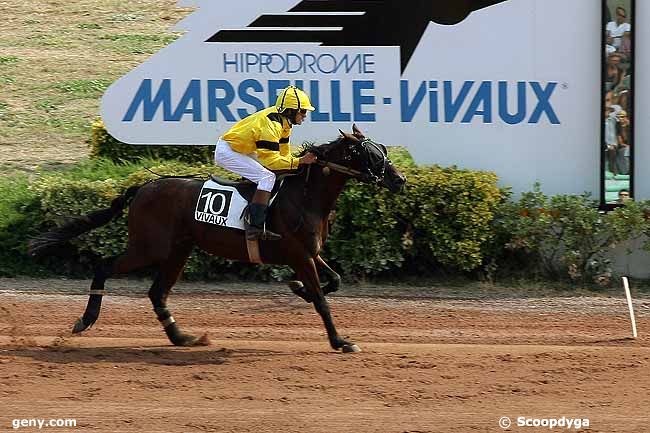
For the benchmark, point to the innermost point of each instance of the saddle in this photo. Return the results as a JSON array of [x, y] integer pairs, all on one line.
[[247, 188]]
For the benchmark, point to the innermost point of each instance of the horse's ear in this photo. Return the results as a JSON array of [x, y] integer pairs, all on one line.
[[354, 139], [357, 132]]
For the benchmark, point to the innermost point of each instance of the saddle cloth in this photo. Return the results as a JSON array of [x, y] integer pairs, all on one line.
[[220, 205], [222, 202]]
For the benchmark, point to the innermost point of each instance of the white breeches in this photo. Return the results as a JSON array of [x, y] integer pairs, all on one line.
[[243, 165]]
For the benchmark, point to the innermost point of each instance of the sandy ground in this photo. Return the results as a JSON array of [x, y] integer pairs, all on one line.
[[429, 363]]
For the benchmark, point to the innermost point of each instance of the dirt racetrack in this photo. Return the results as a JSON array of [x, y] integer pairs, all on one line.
[[438, 362]]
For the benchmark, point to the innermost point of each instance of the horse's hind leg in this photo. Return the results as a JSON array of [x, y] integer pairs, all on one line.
[[129, 261], [167, 276]]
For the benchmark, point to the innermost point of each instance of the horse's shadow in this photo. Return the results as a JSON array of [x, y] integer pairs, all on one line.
[[156, 355]]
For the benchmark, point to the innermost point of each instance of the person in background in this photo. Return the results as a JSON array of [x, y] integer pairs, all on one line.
[[623, 138], [623, 196], [616, 29]]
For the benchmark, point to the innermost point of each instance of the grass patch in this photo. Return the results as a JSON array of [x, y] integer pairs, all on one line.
[[121, 18], [138, 43], [8, 60], [54, 67], [89, 26], [49, 104], [69, 125], [4, 110], [84, 89], [13, 192], [101, 169]]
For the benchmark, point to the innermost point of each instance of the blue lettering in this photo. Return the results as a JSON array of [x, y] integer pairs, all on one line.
[[274, 88], [314, 96], [251, 60], [368, 62], [192, 96], [483, 97], [504, 114], [544, 103], [149, 106], [297, 63], [322, 69], [433, 101], [227, 63], [453, 106], [337, 114], [409, 109], [248, 98], [265, 60], [281, 62], [216, 102], [310, 61], [360, 100]]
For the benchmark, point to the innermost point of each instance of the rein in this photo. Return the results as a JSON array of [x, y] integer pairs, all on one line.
[[366, 175], [340, 168]]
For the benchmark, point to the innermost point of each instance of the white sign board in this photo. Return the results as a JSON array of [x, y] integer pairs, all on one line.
[[513, 88]]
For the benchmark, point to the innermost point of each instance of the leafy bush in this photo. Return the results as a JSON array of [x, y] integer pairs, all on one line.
[[566, 235], [447, 219], [103, 145], [18, 217], [441, 220]]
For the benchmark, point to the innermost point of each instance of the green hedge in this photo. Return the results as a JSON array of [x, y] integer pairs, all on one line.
[[447, 220], [103, 145], [442, 219]]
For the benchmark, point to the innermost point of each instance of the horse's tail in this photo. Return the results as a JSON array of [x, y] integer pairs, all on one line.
[[39, 245]]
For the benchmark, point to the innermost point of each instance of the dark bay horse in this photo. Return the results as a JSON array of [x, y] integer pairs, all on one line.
[[163, 231]]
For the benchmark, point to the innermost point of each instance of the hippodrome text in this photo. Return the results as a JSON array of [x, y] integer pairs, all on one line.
[[356, 99]]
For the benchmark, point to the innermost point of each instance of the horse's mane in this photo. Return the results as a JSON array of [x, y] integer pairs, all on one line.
[[317, 149]]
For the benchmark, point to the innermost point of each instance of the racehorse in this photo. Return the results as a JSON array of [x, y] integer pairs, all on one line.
[[163, 231]]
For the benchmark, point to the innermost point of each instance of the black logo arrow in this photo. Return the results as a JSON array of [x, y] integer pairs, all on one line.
[[356, 23]]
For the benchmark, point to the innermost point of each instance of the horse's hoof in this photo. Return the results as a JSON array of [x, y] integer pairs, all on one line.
[[203, 341], [299, 290], [79, 326], [295, 285], [192, 341], [350, 348]]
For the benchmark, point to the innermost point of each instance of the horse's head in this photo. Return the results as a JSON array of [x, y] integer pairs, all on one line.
[[363, 159]]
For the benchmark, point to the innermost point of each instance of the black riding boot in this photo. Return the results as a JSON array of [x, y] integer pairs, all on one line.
[[255, 222]]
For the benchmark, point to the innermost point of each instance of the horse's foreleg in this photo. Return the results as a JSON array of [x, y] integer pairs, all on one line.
[[307, 274], [333, 281], [167, 276]]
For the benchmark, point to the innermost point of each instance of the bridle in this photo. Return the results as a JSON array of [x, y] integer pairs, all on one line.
[[368, 173], [365, 175]]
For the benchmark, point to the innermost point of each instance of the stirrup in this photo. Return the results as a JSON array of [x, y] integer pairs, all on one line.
[[254, 233]]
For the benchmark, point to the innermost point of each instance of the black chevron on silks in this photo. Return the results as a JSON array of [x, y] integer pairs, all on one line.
[[382, 23]]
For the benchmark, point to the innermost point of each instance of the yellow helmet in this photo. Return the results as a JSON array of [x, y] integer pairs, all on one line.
[[293, 97]]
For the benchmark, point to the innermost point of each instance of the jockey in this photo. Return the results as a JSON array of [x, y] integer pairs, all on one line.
[[258, 144]]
